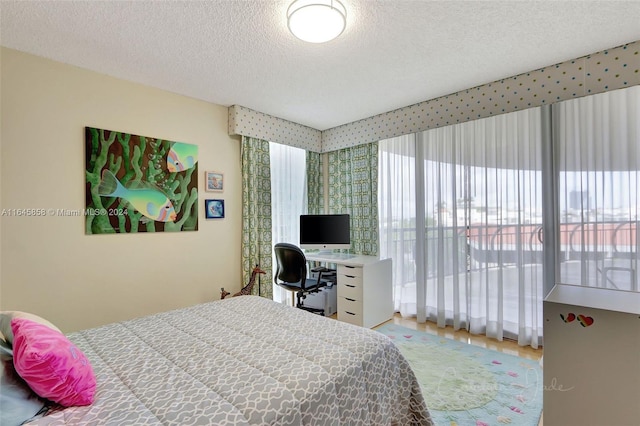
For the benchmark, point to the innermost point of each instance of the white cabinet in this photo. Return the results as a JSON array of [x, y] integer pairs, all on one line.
[[349, 282], [365, 295], [365, 291], [591, 357]]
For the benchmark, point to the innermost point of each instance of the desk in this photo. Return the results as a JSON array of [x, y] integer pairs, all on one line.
[[365, 292]]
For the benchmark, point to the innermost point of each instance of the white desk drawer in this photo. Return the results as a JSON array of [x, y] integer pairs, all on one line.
[[350, 305], [349, 290], [350, 311], [352, 271], [350, 280], [351, 318]]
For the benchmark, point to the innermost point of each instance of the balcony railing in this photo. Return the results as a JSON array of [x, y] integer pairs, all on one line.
[[612, 245]]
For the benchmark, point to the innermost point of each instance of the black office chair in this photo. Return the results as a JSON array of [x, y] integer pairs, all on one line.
[[291, 274]]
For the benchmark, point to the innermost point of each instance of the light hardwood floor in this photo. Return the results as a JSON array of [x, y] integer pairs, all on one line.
[[506, 346]]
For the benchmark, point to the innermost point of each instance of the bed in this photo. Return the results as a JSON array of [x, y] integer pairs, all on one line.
[[243, 361]]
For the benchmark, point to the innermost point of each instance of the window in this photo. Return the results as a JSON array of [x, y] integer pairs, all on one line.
[[598, 146], [461, 212], [288, 199]]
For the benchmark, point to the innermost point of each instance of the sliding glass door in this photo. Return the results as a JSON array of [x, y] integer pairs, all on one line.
[[482, 186], [461, 209], [461, 212], [598, 150]]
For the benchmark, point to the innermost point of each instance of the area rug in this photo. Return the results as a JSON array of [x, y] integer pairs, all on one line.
[[467, 385]]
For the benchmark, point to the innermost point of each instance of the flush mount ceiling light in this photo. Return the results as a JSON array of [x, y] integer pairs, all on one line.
[[316, 21]]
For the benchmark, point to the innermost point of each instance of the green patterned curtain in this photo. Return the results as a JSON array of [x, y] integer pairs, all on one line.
[[315, 187], [353, 189], [256, 213]]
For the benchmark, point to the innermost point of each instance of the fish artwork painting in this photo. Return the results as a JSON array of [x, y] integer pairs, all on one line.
[[182, 156], [150, 202], [139, 184]]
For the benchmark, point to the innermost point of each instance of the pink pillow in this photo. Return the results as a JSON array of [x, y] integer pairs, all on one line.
[[51, 365]]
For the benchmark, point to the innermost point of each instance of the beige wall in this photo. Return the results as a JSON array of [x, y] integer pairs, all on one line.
[[48, 265]]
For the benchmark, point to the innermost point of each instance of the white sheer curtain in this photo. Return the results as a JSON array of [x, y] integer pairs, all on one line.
[[467, 240], [288, 200], [397, 216], [494, 195], [598, 145]]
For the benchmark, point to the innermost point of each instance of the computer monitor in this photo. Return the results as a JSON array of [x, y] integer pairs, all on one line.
[[325, 231]]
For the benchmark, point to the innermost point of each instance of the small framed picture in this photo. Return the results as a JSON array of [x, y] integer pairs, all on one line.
[[214, 181], [214, 209]]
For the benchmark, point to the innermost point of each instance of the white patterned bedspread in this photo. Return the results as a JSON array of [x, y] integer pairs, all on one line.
[[244, 361]]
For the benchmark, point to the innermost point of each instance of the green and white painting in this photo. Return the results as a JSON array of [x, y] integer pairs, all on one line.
[[139, 184]]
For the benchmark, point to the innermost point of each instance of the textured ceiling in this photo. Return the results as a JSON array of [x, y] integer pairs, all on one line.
[[394, 53]]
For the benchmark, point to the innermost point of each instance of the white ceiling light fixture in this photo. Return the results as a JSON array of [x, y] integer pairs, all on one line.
[[316, 21]]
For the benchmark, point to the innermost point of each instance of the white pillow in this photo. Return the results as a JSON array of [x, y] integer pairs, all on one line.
[[6, 335]]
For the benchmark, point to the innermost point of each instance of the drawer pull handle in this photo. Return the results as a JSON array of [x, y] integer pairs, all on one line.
[[350, 300], [350, 276], [352, 286], [350, 267], [350, 313]]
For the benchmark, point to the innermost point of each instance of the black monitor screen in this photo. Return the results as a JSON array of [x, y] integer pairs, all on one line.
[[330, 231]]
